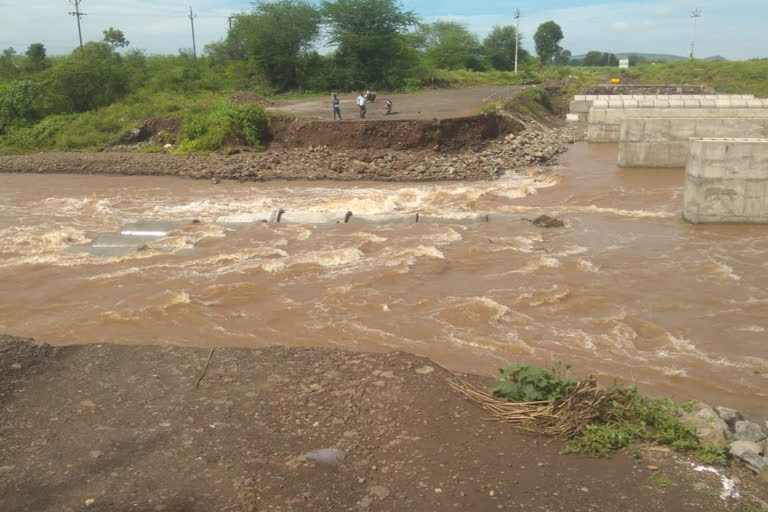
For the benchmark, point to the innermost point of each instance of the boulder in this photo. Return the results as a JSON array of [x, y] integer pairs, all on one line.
[[699, 406], [756, 462], [707, 432], [730, 416], [545, 221], [748, 431], [709, 414], [739, 448]]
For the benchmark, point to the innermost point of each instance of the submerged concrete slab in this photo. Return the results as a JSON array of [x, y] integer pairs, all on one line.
[[105, 240], [464, 219], [501, 218], [107, 252], [726, 181], [289, 217], [661, 142], [244, 218], [605, 124], [150, 228], [112, 245], [407, 218]]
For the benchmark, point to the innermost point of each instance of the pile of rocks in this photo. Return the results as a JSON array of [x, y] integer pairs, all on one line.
[[533, 146], [721, 426]]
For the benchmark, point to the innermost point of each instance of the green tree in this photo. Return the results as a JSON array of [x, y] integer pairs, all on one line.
[[8, 68], [36, 58], [593, 58], [563, 57], [369, 38], [449, 45], [499, 48], [80, 83], [276, 36], [19, 101], [547, 39], [115, 38]]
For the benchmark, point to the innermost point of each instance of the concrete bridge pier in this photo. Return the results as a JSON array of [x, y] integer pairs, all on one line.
[[726, 181]]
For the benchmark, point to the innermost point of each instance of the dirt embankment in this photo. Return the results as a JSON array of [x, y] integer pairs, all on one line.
[[441, 134], [118, 428], [479, 159]]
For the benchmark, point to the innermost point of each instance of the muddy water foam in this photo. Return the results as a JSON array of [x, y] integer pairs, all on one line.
[[627, 290]]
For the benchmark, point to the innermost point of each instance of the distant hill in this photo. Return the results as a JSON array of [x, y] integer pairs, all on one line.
[[655, 57]]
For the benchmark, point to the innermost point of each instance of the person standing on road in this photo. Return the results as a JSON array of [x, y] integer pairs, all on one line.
[[336, 107], [361, 101]]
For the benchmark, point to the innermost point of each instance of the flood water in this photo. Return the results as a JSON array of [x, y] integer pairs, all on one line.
[[626, 290]]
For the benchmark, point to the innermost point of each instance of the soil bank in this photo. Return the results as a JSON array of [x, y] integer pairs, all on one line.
[[112, 428]]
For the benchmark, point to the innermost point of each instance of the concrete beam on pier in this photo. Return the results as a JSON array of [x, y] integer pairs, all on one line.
[[663, 142], [605, 123]]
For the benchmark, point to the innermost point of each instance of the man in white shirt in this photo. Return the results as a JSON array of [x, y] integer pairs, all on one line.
[[361, 101]]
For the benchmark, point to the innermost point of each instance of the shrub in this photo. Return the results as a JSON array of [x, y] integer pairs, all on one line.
[[18, 104], [632, 418], [223, 126]]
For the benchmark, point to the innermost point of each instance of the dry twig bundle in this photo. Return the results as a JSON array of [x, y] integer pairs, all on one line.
[[583, 404]]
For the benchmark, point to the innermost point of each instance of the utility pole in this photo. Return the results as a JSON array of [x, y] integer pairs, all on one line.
[[695, 14], [229, 19], [192, 17], [76, 13], [517, 35]]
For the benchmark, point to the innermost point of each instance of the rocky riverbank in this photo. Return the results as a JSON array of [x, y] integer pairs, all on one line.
[[110, 427], [535, 145]]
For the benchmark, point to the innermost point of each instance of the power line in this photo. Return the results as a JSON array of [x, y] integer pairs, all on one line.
[[695, 14], [77, 14]]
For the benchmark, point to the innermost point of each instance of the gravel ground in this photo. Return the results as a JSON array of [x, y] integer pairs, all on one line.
[[118, 428]]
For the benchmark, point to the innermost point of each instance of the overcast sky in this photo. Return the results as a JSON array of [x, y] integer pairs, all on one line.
[[735, 29]]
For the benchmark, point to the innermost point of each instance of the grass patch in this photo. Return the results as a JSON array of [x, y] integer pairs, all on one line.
[[709, 492], [534, 101], [209, 122], [105, 126], [661, 481], [733, 77]]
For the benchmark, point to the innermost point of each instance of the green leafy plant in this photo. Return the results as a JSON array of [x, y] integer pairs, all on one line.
[[633, 417], [530, 383], [711, 454]]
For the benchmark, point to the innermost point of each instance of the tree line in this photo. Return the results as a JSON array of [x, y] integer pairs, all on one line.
[[375, 43], [271, 48]]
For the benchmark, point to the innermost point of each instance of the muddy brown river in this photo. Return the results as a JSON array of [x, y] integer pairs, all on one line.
[[627, 290]]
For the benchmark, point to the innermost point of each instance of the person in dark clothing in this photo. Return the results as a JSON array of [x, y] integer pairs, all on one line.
[[336, 107]]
